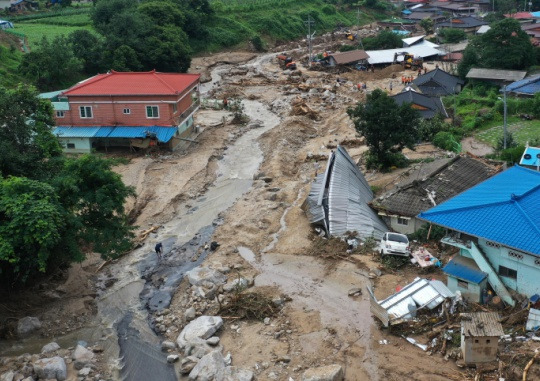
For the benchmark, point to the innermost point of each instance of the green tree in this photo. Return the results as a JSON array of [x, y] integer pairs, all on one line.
[[27, 146], [504, 46], [52, 65], [387, 127], [427, 25], [452, 35], [89, 49], [386, 39], [52, 206]]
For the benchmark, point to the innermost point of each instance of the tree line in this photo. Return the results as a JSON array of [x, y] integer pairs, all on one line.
[[131, 36]]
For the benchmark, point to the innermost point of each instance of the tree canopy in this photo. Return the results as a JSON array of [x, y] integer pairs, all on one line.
[[386, 39], [504, 46], [52, 206], [387, 127]]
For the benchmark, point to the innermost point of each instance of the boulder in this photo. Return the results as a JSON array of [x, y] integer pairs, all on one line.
[[190, 314], [81, 357], [51, 368], [85, 372], [8, 376], [51, 347], [172, 358], [201, 274], [232, 373], [198, 330], [208, 367], [332, 372], [213, 341], [187, 364], [27, 325], [168, 346], [239, 284]]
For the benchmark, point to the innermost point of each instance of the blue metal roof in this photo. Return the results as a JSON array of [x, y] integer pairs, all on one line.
[[163, 134], [530, 85], [406, 12], [531, 156], [459, 269], [401, 32], [535, 14], [75, 132], [504, 209]]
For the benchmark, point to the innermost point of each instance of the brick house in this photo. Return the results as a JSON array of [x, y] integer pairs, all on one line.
[[132, 109]]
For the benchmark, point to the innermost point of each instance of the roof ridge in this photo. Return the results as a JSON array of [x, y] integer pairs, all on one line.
[[165, 83], [525, 215], [462, 208]]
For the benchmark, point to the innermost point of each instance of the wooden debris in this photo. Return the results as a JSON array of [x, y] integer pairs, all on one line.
[[529, 364]]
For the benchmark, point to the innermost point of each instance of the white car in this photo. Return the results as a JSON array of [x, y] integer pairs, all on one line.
[[394, 244]]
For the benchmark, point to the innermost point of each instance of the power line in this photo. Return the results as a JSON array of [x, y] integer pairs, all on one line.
[[309, 23]]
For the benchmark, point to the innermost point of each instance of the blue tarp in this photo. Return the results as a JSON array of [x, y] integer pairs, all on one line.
[[401, 32], [5, 24], [163, 134]]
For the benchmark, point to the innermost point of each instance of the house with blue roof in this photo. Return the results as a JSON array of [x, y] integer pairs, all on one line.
[[531, 158], [526, 87], [497, 224]]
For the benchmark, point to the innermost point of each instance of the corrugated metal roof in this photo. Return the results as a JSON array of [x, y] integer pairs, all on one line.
[[412, 40], [75, 132], [481, 324], [344, 202], [496, 74], [163, 134], [50, 94], [529, 86], [531, 156], [466, 269], [418, 294], [503, 209], [423, 49], [483, 29]]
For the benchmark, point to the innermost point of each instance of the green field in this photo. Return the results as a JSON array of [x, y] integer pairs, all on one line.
[[35, 32], [522, 131], [71, 20]]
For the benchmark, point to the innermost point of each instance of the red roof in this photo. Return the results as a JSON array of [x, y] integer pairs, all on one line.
[[134, 83], [520, 15]]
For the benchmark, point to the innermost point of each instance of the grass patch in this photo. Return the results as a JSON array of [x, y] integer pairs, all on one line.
[[71, 20], [9, 63], [522, 130], [34, 32]]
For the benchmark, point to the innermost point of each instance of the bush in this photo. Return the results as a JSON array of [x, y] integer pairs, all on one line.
[[510, 141], [346, 48], [258, 43], [394, 160], [437, 233], [452, 36], [427, 129], [328, 10], [447, 141], [512, 155]]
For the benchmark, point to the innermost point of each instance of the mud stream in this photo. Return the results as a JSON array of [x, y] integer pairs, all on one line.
[[121, 325]]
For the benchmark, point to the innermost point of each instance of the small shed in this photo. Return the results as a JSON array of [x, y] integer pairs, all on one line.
[[465, 276], [480, 333], [4, 24], [496, 76], [352, 57]]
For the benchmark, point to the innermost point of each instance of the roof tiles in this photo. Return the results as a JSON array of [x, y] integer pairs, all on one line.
[[134, 83]]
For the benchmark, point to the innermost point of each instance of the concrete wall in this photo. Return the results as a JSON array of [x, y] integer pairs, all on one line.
[[412, 226], [479, 349], [473, 292], [527, 266], [82, 145], [109, 110]]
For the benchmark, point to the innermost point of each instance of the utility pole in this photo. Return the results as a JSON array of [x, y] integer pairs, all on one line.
[[504, 125], [358, 28], [309, 23]]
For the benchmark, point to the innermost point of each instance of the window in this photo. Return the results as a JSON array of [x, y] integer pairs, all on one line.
[[152, 111], [85, 111], [175, 107], [127, 111], [476, 341], [402, 221], [60, 114], [463, 284], [71, 146], [488, 341], [505, 271]]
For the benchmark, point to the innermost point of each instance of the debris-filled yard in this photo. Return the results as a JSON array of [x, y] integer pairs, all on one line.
[[247, 287]]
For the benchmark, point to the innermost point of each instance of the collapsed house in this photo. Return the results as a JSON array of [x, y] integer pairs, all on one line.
[[404, 304], [339, 197]]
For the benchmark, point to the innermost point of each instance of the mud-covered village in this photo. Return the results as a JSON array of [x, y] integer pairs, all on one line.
[[253, 190]]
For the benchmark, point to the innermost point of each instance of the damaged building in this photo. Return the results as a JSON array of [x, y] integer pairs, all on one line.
[[339, 197]]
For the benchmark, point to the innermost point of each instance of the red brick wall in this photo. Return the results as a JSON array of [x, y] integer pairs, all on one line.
[[108, 111]]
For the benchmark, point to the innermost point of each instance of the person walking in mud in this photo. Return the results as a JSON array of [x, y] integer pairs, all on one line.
[[159, 250]]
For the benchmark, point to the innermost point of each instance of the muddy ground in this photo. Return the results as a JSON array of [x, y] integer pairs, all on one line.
[[265, 234]]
